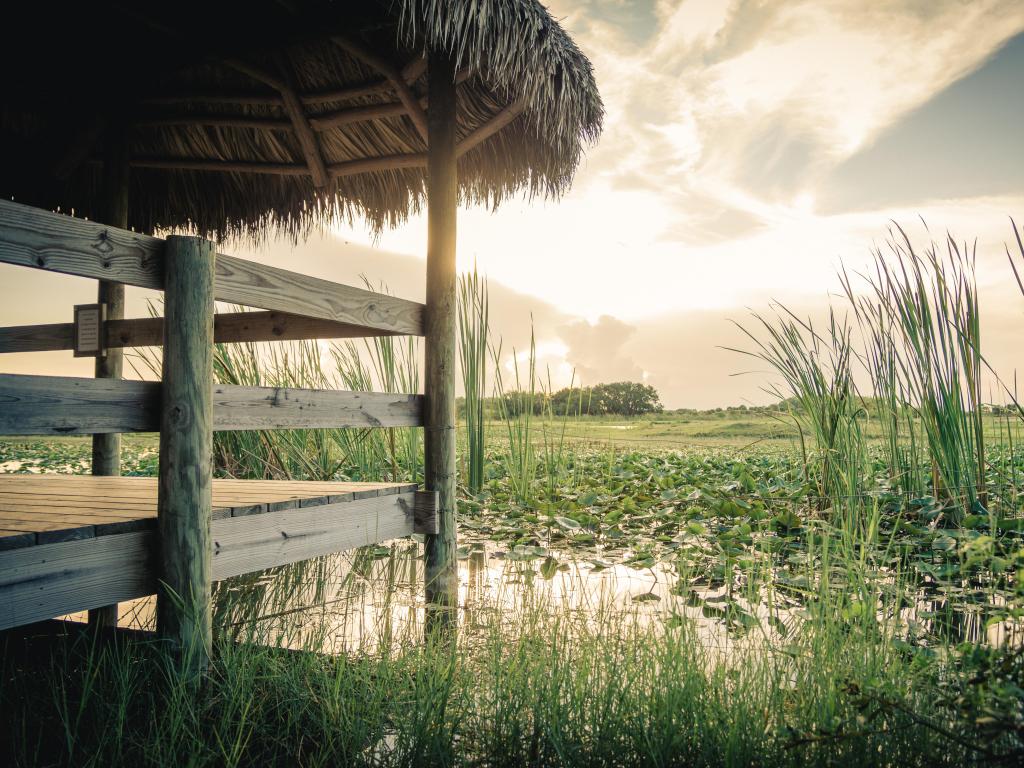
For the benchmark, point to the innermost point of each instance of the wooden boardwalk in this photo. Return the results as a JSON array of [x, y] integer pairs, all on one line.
[[45, 509], [70, 543]]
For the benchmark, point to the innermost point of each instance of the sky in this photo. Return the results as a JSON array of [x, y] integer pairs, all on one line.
[[750, 149]]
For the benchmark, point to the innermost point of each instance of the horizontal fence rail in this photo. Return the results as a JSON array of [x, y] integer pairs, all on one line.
[[104, 570], [58, 405], [228, 328], [238, 408], [40, 239]]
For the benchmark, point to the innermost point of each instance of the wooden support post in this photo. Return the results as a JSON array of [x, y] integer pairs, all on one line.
[[184, 501], [113, 211], [439, 382]]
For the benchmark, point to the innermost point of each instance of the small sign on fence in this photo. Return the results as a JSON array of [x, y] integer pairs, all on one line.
[[89, 339]]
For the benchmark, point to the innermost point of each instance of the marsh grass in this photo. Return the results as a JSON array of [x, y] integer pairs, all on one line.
[[822, 399], [381, 364], [474, 342], [826, 661], [517, 455], [930, 300], [545, 684], [919, 342]]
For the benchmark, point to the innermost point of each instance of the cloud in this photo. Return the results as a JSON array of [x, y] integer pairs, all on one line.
[[598, 351], [765, 96], [963, 142]]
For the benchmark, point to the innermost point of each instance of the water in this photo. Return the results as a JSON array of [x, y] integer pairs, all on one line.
[[371, 601]]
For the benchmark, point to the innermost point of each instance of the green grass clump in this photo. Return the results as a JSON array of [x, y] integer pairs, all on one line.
[[545, 685]]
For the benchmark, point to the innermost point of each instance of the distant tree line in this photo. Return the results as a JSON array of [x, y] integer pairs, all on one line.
[[620, 398]]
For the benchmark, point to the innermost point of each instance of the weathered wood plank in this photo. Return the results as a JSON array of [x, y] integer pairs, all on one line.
[[11, 539], [32, 237], [256, 542], [424, 513], [228, 328], [223, 488], [36, 238], [58, 405], [50, 531], [106, 447], [441, 578], [37, 338], [258, 285], [237, 407], [48, 580]]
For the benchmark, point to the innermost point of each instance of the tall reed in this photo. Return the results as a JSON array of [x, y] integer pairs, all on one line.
[[380, 364], [515, 410], [473, 353], [818, 385], [929, 299], [920, 345]]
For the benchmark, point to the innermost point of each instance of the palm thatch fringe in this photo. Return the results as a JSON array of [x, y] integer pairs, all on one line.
[[293, 113]]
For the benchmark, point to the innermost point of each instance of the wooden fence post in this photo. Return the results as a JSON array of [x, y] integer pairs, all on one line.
[[113, 211], [439, 381], [184, 501]]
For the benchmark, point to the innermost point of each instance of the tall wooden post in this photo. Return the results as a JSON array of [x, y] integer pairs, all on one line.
[[439, 382], [184, 501], [113, 210]]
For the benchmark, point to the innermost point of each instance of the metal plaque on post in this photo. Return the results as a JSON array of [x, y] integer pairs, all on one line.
[[89, 320]]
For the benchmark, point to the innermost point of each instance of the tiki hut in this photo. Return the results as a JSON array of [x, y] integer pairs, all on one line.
[[232, 120], [240, 117]]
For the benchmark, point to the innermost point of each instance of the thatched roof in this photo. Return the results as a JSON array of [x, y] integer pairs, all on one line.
[[239, 117]]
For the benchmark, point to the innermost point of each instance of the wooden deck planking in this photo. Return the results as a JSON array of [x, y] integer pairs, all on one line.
[[72, 543], [43, 509]]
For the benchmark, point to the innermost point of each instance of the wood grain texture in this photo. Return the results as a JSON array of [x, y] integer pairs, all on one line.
[[35, 238], [47, 580], [184, 498], [441, 578], [245, 544], [237, 408], [58, 405], [106, 447], [228, 328], [37, 338], [32, 237], [66, 507], [258, 285], [424, 512]]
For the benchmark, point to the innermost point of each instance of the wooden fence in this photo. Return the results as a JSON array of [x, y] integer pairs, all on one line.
[[186, 406]]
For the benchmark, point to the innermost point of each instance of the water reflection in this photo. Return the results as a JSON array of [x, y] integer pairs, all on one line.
[[371, 601]]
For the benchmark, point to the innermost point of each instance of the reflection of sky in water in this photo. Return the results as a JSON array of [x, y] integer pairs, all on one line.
[[372, 600]]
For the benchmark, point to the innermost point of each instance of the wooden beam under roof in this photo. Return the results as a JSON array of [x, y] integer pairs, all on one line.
[[393, 75], [293, 106]]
